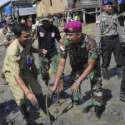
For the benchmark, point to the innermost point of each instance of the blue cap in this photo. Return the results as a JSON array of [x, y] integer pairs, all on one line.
[[107, 2]]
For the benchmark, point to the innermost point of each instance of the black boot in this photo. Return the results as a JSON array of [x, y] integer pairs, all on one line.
[[105, 73], [122, 96]]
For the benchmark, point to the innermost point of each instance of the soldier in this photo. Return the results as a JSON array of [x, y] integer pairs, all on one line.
[[9, 37], [48, 34], [83, 56], [29, 23], [17, 70], [107, 24]]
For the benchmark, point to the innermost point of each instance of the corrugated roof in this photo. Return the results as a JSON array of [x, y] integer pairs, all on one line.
[[84, 3], [59, 6]]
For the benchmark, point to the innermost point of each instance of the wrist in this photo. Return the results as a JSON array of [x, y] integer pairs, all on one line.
[[56, 81], [27, 93], [78, 81]]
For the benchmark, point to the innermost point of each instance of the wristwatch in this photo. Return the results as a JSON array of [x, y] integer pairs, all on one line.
[[78, 81]]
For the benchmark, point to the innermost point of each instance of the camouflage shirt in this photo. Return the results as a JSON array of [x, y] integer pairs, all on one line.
[[108, 24], [10, 36], [80, 52]]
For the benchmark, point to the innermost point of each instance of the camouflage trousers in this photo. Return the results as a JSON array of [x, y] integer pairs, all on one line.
[[48, 66], [93, 77], [95, 83]]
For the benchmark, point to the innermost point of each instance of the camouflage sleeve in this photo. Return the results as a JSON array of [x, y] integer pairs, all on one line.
[[118, 25], [58, 37], [92, 48], [98, 30], [7, 37], [63, 51]]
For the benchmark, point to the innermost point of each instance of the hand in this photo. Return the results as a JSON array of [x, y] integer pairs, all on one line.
[[57, 88], [60, 86], [31, 97], [43, 51], [75, 87], [7, 44], [62, 47], [53, 88]]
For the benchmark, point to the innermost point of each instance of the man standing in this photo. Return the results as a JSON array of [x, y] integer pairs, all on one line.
[[48, 34], [10, 36], [107, 24], [17, 70], [83, 56], [29, 23]]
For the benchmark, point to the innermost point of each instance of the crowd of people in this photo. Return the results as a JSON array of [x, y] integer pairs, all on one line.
[[20, 71]]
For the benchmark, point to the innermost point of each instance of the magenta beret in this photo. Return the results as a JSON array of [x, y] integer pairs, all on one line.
[[73, 26]]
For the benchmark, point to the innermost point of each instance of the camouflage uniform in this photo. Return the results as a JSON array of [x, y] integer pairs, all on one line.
[[107, 33], [47, 40], [79, 55], [10, 36]]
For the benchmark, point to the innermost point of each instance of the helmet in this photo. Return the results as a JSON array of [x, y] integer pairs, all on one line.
[[73, 26], [45, 17], [107, 2], [9, 22]]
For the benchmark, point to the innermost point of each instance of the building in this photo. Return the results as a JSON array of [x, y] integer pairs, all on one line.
[[50, 6], [60, 6], [23, 8]]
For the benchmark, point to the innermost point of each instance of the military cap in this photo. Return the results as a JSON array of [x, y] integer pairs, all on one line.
[[73, 26], [45, 17], [107, 2]]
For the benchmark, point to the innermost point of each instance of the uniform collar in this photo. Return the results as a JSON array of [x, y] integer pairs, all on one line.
[[20, 46]]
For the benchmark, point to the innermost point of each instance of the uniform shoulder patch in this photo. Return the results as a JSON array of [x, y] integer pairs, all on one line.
[[41, 34]]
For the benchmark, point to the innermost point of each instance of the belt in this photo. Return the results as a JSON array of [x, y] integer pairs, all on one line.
[[112, 36]]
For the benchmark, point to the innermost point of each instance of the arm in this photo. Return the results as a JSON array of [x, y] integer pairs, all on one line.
[[30, 96], [61, 65], [58, 36], [34, 50], [15, 70], [59, 73], [35, 34], [88, 70], [92, 56], [39, 51], [98, 30], [119, 27]]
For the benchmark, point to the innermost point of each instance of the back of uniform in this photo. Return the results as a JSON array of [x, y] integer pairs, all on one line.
[[47, 39]]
